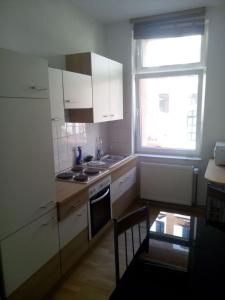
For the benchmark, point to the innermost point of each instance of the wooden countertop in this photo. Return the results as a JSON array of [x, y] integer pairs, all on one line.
[[215, 173], [66, 190]]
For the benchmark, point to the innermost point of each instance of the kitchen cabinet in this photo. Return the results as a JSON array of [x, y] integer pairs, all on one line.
[[56, 94], [124, 187], [122, 184], [116, 90], [77, 90], [27, 250], [27, 170], [73, 235], [107, 87], [72, 225], [23, 76], [100, 84]]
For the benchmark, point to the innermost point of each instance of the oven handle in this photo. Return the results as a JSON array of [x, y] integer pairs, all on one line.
[[100, 198]]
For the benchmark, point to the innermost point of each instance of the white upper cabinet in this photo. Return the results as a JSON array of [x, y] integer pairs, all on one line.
[[56, 94], [100, 82], [77, 90], [116, 90], [107, 87], [23, 75]]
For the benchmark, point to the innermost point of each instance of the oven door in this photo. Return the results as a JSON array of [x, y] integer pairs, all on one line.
[[100, 210]]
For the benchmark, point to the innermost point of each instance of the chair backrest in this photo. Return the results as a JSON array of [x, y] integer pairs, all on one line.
[[126, 225]]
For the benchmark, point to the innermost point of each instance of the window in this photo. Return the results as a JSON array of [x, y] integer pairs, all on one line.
[[169, 64], [159, 226]]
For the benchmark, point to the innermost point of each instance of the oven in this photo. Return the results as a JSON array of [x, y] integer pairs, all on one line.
[[99, 207]]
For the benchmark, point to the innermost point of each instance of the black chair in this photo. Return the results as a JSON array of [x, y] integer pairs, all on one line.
[[126, 225]]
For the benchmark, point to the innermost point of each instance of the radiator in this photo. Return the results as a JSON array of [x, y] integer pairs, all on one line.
[[168, 183]]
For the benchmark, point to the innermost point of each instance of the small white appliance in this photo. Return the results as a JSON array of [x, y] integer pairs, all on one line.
[[219, 153]]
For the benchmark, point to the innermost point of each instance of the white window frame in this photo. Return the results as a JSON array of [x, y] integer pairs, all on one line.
[[168, 71]]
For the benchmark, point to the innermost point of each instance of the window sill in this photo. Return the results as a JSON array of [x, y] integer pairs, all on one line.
[[174, 157]]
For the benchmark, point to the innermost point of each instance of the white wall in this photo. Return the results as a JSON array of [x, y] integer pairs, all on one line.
[[51, 29], [119, 47], [214, 117], [48, 28]]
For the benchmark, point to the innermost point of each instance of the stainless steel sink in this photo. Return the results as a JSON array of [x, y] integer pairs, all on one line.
[[112, 159]]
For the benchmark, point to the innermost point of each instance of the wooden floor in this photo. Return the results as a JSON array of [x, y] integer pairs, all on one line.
[[94, 277]]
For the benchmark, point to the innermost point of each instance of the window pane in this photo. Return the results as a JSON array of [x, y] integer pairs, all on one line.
[[171, 51], [168, 112]]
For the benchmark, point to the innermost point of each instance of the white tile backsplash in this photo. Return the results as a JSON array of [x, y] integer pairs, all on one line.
[[56, 155], [61, 129], [54, 130], [66, 136], [64, 159]]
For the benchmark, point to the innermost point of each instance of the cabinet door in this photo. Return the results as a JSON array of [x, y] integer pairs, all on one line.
[[100, 82], [116, 90], [123, 184], [27, 168], [77, 90], [26, 251], [23, 75], [56, 94], [72, 225]]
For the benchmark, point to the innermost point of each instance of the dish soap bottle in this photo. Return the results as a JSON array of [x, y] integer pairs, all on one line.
[[99, 150], [79, 155]]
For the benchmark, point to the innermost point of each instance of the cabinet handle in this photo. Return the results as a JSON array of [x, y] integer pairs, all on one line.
[[38, 88], [68, 101], [105, 116], [49, 222], [55, 119], [79, 215], [111, 115], [46, 205]]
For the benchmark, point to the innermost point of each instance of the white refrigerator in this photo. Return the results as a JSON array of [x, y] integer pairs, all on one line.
[[28, 217]]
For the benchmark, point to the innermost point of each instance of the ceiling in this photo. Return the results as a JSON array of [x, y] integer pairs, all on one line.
[[109, 11]]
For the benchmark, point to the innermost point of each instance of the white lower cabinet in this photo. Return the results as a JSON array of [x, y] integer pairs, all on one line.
[[26, 251], [122, 184], [72, 225]]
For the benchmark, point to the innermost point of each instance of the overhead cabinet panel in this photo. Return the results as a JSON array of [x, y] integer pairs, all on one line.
[[56, 94], [116, 90], [77, 90], [107, 87], [23, 76], [100, 85]]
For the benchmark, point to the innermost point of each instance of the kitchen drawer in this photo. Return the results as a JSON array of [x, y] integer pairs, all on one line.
[[23, 76], [26, 251], [71, 205], [72, 225], [122, 184]]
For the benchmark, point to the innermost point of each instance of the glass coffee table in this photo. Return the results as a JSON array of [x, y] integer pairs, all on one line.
[[171, 236]]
